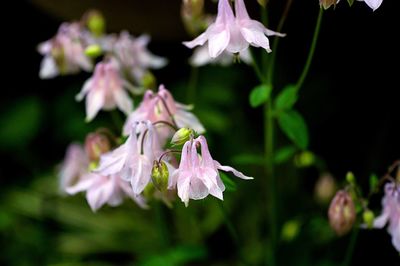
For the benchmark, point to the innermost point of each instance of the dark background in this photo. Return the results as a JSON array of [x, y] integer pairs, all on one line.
[[350, 98]]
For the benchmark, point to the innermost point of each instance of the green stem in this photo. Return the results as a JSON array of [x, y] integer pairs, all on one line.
[[162, 224], [351, 246], [312, 50]]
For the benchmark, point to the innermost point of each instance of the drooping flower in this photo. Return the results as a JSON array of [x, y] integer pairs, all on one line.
[[391, 213], [373, 4], [96, 144], [75, 165], [133, 160], [341, 213], [197, 175], [163, 107], [327, 3], [102, 189], [64, 53], [233, 33], [105, 90], [201, 57]]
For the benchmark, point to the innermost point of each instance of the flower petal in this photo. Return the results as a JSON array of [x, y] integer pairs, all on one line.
[[230, 169]]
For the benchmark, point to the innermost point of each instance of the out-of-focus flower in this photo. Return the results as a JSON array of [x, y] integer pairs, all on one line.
[[101, 189], [105, 90], [64, 53], [197, 175], [391, 213], [325, 188], [328, 3], [192, 13], [75, 165], [373, 4], [163, 107], [95, 145], [201, 57], [133, 55], [342, 213], [134, 159], [233, 33]]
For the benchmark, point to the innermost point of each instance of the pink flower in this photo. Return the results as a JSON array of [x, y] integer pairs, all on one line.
[[105, 90], [201, 57], [75, 165], [197, 175], [391, 213], [133, 160], [233, 33], [163, 107], [102, 190], [373, 4], [64, 53]]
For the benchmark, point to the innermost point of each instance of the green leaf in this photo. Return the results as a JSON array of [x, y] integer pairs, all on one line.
[[284, 154], [180, 255], [373, 182], [230, 185], [249, 159], [351, 2], [259, 95], [286, 98], [295, 128]]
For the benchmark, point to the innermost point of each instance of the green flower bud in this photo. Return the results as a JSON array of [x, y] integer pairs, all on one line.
[[305, 159], [350, 178], [159, 175], [181, 136], [149, 81], [368, 217], [96, 23], [93, 51]]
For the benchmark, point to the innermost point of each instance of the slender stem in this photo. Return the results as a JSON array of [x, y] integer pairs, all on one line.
[[351, 246], [312, 50]]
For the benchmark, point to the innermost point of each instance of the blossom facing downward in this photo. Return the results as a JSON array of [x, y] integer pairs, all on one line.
[[197, 175], [233, 33], [341, 213], [105, 90], [64, 53], [201, 57], [391, 213], [373, 4]]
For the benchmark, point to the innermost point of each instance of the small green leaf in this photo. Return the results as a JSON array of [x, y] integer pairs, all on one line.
[[249, 159], [373, 182], [286, 98], [295, 128], [284, 154], [259, 95], [230, 185], [351, 2]]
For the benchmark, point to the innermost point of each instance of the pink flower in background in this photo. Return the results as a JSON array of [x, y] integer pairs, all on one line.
[[233, 33], [133, 160], [163, 107], [391, 213], [197, 175], [102, 190], [75, 165], [132, 54], [105, 90], [64, 53]]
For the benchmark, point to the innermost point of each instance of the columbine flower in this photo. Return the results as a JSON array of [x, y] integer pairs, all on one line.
[[163, 107], [341, 213], [201, 57], [133, 55], [75, 165], [133, 160], [105, 90], [197, 175], [64, 53], [101, 189], [391, 213], [231, 33], [373, 4]]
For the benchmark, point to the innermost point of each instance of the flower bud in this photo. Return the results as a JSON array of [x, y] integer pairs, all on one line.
[[93, 51], [159, 175], [304, 159], [325, 188], [181, 136], [327, 3], [342, 213], [368, 218], [350, 178], [95, 22], [149, 80], [95, 145]]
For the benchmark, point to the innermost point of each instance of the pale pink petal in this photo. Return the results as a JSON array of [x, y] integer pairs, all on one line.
[[183, 186], [123, 101], [200, 40], [48, 68], [87, 86], [94, 102], [187, 119], [84, 184], [240, 10], [230, 169], [218, 40], [225, 13], [198, 190], [113, 162], [381, 221], [373, 4], [142, 175], [98, 195], [253, 33]]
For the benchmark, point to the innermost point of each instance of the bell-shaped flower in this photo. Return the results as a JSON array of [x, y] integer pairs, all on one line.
[[64, 53], [373, 4], [197, 175], [133, 160], [75, 165], [163, 107], [105, 90], [101, 189], [233, 33], [391, 213]]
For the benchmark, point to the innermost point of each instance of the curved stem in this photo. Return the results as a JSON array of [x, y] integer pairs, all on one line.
[[312, 51]]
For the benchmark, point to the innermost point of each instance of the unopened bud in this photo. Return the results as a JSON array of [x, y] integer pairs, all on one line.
[[159, 175], [192, 13], [95, 22], [304, 159], [368, 217], [325, 188], [181, 136], [149, 80], [350, 178], [327, 3], [93, 51], [95, 145], [342, 213]]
